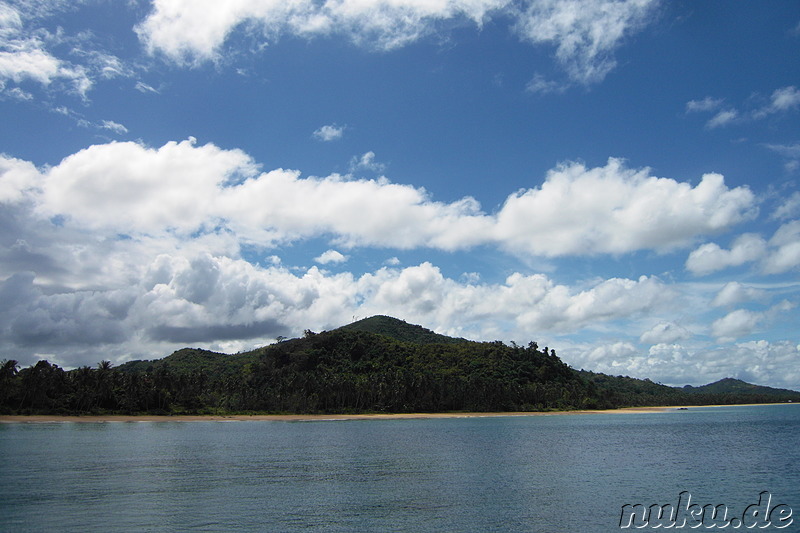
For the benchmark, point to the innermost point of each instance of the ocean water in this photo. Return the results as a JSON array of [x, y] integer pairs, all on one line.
[[545, 473]]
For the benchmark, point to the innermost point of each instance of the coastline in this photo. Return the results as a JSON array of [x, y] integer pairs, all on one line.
[[32, 419]]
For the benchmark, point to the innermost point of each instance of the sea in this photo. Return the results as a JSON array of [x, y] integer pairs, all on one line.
[[570, 473]]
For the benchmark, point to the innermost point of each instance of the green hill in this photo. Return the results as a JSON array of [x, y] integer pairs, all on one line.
[[379, 364], [194, 360], [738, 387], [400, 330]]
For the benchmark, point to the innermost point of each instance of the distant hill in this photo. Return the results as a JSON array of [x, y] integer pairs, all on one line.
[[737, 386], [194, 360], [400, 330]]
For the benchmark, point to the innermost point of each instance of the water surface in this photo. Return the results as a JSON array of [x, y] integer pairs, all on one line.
[[542, 473]]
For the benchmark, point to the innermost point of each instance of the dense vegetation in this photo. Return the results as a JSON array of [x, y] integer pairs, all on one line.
[[375, 365]]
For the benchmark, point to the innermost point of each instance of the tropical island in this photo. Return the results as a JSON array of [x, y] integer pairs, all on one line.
[[376, 365]]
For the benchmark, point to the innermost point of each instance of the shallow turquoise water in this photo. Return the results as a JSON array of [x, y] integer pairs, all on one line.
[[552, 473]]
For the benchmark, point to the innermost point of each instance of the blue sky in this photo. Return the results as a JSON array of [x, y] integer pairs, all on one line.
[[617, 180]]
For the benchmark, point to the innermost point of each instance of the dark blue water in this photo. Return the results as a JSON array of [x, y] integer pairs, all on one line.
[[549, 474]]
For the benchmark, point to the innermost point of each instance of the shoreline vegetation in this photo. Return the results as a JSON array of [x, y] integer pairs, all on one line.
[[7, 419], [376, 365]]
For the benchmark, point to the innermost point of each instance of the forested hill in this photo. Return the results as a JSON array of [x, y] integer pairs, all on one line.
[[379, 364], [401, 330], [736, 387]]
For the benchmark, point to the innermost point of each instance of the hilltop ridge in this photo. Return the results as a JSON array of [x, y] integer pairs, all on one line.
[[400, 330]]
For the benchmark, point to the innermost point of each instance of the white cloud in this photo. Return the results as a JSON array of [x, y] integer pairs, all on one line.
[[783, 100], [735, 324], [194, 30], [18, 93], [614, 209], [539, 84], [139, 296], [734, 293], [127, 188], [706, 104], [17, 178], [743, 322], [330, 256], [585, 34], [330, 132], [780, 254], [24, 57], [142, 87], [366, 162], [789, 151], [710, 257], [760, 361], [785, 249], [723, 118], [790, 207], [117, 128], [665, 332]]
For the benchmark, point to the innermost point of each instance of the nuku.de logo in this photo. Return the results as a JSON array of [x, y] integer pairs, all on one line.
[[686, 514]]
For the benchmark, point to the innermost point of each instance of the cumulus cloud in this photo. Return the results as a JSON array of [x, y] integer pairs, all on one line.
[[743, 322], [665, 333], [330, 256], [784, 249], [734, 293], [330, 132], [188, 296], [182, 188], [780, 254], [710, 257], [614, 209], [585, 34], [17, 178]]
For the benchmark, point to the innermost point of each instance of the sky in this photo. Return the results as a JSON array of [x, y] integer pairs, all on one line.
[[616, 180]]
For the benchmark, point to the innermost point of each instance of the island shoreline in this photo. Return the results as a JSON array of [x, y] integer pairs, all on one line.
[[341, 417]]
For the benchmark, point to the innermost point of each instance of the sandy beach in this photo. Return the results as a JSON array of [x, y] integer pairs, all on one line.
[[323, 417]]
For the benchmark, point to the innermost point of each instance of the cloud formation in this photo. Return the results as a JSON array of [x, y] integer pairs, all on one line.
[[584, 34], [329, 132], [783, 100], [779, 254], [147, 243], [25, 57], [182, 189]]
